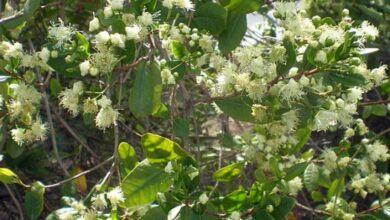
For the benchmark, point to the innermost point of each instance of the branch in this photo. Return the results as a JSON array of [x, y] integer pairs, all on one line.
[[18, 206], [374, 102], [73, 134], [49, 116], [80, 174], [127, 67]]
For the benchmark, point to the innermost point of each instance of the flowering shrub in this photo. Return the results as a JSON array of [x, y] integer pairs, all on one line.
[[143, 71]]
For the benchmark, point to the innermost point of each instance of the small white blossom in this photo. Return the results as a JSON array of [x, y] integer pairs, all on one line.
[[377, 151], [18, 135], [117, 40], [106, 117], [60, 33], [321, 57], [84, 67], [115, 196], [325, 119], [203, 199], [99, 201], [107, 11], [117, 4], [294, 186], [44, 54], [102, 37], [146, 18], [132, 33], [94, 24]]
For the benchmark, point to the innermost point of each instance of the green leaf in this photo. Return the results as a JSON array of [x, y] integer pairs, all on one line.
[[55, 87], [159, 149], [155, 213], [347, 79], [303, 136], [181, 128], [8, 177], [128, 157], [143, 183], [261, 214], [145, 96], [237, 107], [211, 17], [336, 188], [83, 44], [234, 201], [228, 173], [286, 205], [295, 171], [235, 30], [371, 12], [178, 50], [310, 176], [30, 7], [244, 6], [379, 110], [33, 201]]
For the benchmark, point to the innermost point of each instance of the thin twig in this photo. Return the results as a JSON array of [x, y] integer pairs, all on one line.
[[374, 102], [49, 116], [18, 206], [311, 209], [80, 174], [73, 134]]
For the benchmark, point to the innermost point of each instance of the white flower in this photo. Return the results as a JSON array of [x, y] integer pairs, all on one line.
[[270, 208], [206, 43], [242, 80], [117, 40], [378, 74], [132, 33], [38, 131], [115, 196], [90, 106], [104, 62], [235, 215], [168, 168], [117, 4], [331, 34], [373, 183], [102, 37], [325, 119], [167, 77], [321, 57], [106, 117], [146, 18], [354, 94], [60, 33], [93, 71], [377, 151], [99, 201], [104, 102], [18, 135], [348, 216], [294, 186], [107, 11], [84, 67], [291, 91], [70, 98], [343, 162], [26, 93], [94, 24], [203, 199], [369, 31], [330, 159], [44, 54], [185, 4], [168, 3]]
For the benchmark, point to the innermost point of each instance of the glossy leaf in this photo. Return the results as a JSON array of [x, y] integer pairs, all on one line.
[[128, 157], [158, 149], [235, 30], [145, 96], [142, 184], [7, 176], [237, 107], [211, 17], [228, 173]]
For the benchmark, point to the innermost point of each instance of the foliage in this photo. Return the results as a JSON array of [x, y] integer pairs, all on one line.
[[138, 85]]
